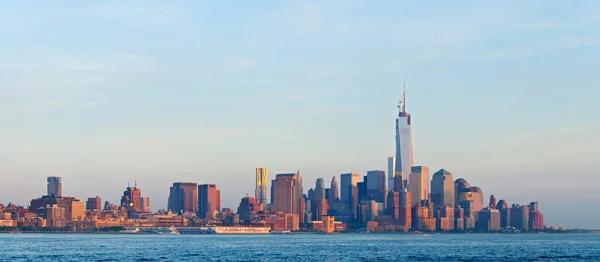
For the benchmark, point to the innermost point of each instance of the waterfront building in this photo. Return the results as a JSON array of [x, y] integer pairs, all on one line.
[[459, 218], [39, 205], [183, 198], [519, 217], [260, 193], [287, 194], [375, 185], [209, 199], [536, 218], [404, 144], [93, 204], [418, 184], [488, 220], [442, 189], [502, 206], [248, 207], [368, 211], [349, 191], [55, 216], [328, 224], [54, 187], [405, 211]]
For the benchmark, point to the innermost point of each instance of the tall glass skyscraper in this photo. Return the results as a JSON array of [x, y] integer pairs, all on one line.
[[404, 144], [260, 192], [54, 186]]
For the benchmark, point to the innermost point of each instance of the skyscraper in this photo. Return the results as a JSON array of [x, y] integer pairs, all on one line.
[[442, 189], [145, 204], [404, 145], [209, 199], [334, 192], [132, 199], [260, 192], [391, 172], [93, 204], [376, 185], [349, 191], [418, 184], [183, 198], [287, 194], [320, 189], [54, 186]]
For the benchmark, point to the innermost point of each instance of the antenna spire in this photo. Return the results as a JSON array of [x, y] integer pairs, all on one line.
[[404, 99]]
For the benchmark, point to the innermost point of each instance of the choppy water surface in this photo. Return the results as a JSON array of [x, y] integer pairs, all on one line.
[[344, 247]]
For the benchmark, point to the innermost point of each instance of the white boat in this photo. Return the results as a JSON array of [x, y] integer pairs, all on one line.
[[130, 231]]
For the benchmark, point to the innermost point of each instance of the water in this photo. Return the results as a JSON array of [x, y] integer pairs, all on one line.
[[344, 247]]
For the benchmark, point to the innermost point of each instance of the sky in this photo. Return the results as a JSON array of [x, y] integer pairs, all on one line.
[[105, 93]]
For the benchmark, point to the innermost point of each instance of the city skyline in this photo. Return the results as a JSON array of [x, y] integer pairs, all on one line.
[[108, 93]]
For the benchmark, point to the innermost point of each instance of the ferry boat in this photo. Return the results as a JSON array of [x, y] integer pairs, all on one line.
[[281, 232], [130, 231]]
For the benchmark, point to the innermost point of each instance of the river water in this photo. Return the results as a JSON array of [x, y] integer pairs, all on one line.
[[343, 247]]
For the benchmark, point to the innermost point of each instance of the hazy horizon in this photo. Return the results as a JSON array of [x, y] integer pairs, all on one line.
[[105, 93]]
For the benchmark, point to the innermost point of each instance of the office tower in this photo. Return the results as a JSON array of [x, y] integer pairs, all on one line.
[[362, 190], [459, 218], [391, 171], [477, 196], [132, 198], [349, 191], [445, 218], [76, 210], [287, 194], [460, 192], [334, 192], [492, 204], [442, 189], [418, 184], [272, 190], [145, 204], [93, 204], [398, 184], [376, 185], [248, 208], [519, 217], [502, 206], [320, 189], [405, 210], [209, 199], [183, 198], [393, 205], [320, 209], [260, 192], [536, 218], [312, 195], [368, 211], [404, 145], [488, 220], [305, 215], [54, 186]]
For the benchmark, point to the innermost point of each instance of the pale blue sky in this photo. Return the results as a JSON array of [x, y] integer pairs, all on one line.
[[106, 92]]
